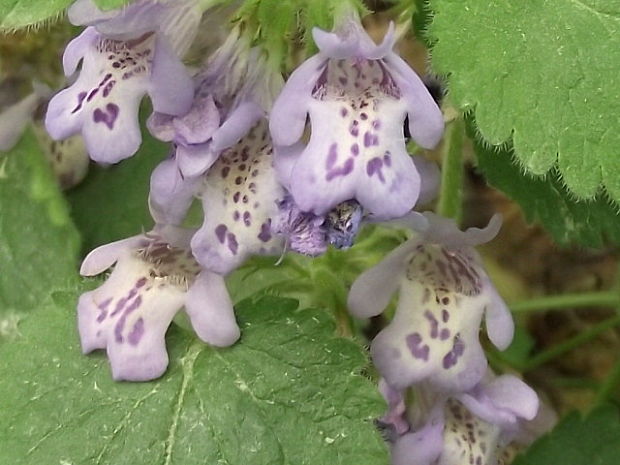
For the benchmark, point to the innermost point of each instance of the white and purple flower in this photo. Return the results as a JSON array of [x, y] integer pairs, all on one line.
[[357, 95], [125, 55], [154, 277], [239, 196], [469, 428], [444, 293]]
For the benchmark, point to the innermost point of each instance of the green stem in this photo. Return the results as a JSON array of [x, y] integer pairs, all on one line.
[[450, 202], [567, 301], [610, 384], [572, 343]]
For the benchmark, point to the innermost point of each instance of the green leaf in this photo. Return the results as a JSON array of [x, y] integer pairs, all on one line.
[[577, 440], [38, 242], [112, 202], [542, 72], [288, 393], [15, 14], [548, 202]]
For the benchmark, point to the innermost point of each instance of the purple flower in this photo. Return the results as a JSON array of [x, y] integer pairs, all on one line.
[[154, 277], [474, 427], [227, 104], [310, 234], [223, 155], [305, 232], [239, 195], [443, 294], [357, 95], [132, 57]]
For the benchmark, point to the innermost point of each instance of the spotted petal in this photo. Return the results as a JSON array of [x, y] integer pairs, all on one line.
[[154, 276], [239, 199], [444, 294], [434, 334], [103, 101], [356, 151], [468, 438]]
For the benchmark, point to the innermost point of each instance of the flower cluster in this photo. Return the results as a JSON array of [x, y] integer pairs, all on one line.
[[461, 412], [276, 166], [236, 134]]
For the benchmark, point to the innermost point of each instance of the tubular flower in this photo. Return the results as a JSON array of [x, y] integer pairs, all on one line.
[[239, 196], [124, 55], [223, 154], [154, 277], [473, 428], [443, 295], [357, 95]]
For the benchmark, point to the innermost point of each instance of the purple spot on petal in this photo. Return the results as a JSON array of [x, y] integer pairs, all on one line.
[[445, 334], [433, 323], [452, 357], [387, 159], [354, 128], [225, 171], [247, 218], [343, 112], [345, 170], [363, 116], [332, 156], [220, 232], [375, 165], [233, 245], [136, 333], [370, 139], [108, 117], [445, 316], [92, 94], [419, 351], [355, 150], [376, 124], [108, 88], [120, 325], [81, 96], [265, 231]]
